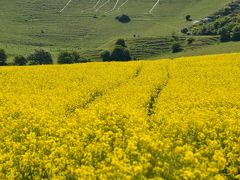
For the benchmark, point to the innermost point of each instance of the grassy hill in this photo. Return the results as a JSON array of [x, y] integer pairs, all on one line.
[[30, 24]]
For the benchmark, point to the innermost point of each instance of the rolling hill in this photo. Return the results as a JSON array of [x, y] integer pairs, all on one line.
[[90, 26]]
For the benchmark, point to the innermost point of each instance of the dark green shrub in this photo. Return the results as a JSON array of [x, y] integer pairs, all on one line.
[[106, 56], [236, 33], [123, 18], [176, 47], [120, 54], [76, 57], [65, 58], [40, 57], [3, 58], [184, 30], [20, 61], [225, 35], [121, 42], [68, 58], [227, 11], [188, 18]]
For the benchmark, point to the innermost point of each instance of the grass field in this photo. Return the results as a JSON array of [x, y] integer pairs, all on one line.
[[172, 119], [27, 25]]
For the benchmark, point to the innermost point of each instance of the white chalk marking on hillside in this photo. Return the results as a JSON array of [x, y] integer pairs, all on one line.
[[102, 5], [65, 6], [92, 8], [154, 6], [96, 4], [114, 7], [122, 4]]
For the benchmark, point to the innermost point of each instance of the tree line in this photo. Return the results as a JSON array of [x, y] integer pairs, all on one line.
[[42, 57], [120, 52]]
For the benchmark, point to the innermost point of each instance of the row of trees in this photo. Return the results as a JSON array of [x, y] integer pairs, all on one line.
[[40, 57]]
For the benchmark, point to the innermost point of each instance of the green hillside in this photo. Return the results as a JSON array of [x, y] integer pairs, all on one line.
[[30, 24]]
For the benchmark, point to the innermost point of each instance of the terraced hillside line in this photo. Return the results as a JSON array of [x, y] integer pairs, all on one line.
[[98, 93], [157, 93], [65, 6]]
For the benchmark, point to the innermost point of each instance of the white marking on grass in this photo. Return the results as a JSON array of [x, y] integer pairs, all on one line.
[[114, 7], [96, 4], [102, 5], [92, 8], [122, 4], [154, 6], [65, 6]]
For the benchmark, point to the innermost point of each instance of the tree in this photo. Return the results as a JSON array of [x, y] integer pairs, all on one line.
[[69, 58], [40, 57], [120, 54], [106, 56], [225, 35], [123, 18], [236, 33], [65, 58], [76, 57], [188, 18], [184, 30], [121, 42], [176, 47], [20, 61], [3, 57]]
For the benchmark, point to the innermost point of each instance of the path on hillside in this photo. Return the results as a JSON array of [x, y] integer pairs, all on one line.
[[65, 6], [154, 6]]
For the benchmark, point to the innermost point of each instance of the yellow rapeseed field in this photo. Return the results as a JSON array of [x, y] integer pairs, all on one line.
[[166, 119]]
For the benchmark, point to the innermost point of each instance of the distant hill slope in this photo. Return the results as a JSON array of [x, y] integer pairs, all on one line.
[[34, 23]]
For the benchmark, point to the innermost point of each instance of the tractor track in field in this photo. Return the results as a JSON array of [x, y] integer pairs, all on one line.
[[157, 94], [97, 94]]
